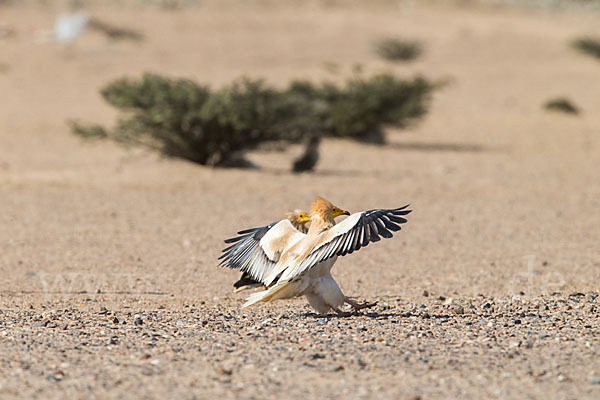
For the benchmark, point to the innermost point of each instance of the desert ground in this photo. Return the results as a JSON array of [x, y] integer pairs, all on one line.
[[109, 285]]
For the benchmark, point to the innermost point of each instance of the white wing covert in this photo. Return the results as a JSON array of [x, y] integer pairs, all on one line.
[[356, 231]]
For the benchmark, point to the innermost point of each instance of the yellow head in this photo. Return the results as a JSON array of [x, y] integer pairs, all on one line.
[[298, 219], [302, 218], [325, 209]]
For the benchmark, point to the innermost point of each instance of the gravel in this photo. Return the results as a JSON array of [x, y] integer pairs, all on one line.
[[244, 353]]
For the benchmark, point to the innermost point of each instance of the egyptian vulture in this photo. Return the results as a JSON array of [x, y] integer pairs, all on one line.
[[248, 241], [302, 266]]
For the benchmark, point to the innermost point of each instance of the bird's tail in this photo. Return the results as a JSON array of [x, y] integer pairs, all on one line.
[[273, 293], [245, 282]]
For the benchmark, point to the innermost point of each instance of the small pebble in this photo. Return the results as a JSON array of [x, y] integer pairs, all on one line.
[[458, 309]]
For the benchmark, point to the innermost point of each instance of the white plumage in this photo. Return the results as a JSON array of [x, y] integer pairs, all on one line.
[[292, 264]]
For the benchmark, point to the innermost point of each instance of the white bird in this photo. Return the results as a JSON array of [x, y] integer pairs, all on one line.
[[304, 266], [249, 241]]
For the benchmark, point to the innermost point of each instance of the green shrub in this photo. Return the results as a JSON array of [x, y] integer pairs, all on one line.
[[115, 32], [561, 104], [180, 118], [588, 46], [364, 107], [398, 49]]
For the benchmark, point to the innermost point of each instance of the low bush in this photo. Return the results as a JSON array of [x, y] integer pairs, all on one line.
[[588, 46], [561, 104], [180, 118], [398, 49]]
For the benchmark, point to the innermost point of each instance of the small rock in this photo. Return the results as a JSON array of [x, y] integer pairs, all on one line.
[[458, 309], [42, 324], [138, 320], [595, 381], [224, 371], [57, 376], [425, 293], [528, 344]]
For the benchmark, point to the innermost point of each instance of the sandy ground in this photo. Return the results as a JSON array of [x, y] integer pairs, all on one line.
[[108, 280]]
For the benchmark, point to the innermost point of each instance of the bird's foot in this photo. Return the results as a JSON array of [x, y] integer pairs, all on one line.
[[358, 306], [341, 313]]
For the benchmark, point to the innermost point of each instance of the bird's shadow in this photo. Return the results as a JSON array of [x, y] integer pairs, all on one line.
[[374, 315], [370, 315]]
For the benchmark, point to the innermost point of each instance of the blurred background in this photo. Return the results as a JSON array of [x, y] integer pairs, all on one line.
[[117, 116], [136, 135]]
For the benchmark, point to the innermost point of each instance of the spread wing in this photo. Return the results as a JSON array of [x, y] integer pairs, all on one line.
[[356, 231], [257, 250]]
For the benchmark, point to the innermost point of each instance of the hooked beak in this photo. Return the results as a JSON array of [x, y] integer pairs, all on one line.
[[341, 212], [303, 220]]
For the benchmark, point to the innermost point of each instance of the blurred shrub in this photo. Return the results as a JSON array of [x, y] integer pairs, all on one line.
[[180, 118], [115, 32], [588, 46], [561, 104], [398, 49]]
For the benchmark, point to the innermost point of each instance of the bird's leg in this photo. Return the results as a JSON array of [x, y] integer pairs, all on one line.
[[341, 313], [358, 306]]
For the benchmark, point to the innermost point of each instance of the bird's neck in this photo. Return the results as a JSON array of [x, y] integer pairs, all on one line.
[[320, 222]]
